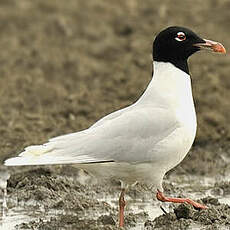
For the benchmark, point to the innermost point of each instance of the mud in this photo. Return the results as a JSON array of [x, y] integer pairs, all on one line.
[[185, 217], [59, 199], [64, 65]]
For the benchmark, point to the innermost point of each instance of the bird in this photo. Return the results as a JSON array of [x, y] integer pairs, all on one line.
[[146, 139]]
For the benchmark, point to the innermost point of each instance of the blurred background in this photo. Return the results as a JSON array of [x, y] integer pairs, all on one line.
[[66, 64]]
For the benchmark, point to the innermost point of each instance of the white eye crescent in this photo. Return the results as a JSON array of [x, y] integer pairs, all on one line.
[[180, 36]]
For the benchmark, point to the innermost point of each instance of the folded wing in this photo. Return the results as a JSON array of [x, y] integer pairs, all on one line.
[[124, 136]]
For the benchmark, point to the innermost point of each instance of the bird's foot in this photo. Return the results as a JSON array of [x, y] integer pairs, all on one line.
[[160, 196]]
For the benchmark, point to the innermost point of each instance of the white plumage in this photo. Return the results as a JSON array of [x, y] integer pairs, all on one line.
[[140, 142]]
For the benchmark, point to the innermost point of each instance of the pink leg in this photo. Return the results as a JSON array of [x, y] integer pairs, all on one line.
[[160, 196], [121, 208]]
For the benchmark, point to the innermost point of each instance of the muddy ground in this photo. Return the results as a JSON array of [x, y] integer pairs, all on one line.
[[64, 65]]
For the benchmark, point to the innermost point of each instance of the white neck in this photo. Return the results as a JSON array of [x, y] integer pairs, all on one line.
[[169, 86]]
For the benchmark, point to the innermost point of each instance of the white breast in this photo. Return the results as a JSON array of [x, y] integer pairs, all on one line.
[[171, 88]]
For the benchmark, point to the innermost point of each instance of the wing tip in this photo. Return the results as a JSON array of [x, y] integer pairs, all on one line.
[[12, 161]]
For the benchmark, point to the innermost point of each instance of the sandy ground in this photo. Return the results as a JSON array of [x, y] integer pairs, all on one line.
[[65, 64]]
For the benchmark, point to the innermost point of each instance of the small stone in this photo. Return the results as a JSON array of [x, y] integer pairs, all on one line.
[[107, 220], [183, 211], [211, 200]]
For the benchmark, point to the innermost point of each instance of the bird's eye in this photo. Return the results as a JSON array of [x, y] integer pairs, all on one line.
[[180, 36]]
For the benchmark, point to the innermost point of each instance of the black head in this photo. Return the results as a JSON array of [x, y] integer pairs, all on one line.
[[175, 44]]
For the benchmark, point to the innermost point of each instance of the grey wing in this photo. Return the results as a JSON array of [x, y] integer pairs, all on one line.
[[124, 136]]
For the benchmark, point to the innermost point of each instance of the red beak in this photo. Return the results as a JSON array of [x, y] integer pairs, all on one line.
[[214, 46]]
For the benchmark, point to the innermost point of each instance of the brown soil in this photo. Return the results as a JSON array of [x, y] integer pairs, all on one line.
[[65, 64], [52, 189]]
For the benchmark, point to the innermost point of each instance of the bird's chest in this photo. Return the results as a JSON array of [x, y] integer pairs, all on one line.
[[186, 117], [178, 97], [176, 145]]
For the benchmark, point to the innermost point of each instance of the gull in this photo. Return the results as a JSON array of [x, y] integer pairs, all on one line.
[[146, 139]]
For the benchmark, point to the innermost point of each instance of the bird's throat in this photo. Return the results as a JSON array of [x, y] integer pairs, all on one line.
[[182, 65]]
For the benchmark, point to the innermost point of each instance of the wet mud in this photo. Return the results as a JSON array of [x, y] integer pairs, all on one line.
[[64, 65], [57, 199]]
